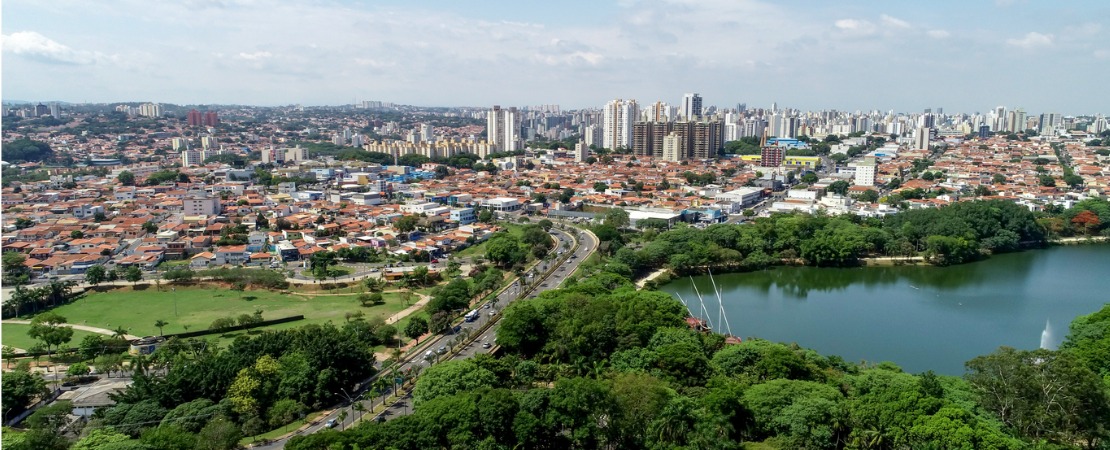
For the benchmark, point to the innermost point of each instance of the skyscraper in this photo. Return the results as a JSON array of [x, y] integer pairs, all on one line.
[[503, 128], [211, 119], [691, 106], [617, 125]]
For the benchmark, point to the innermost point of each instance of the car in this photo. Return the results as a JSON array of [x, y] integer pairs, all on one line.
[[435, 261], [486, 345], [331, 423]]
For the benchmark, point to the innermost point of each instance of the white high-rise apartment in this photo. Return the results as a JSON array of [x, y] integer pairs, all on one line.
[[691, 106], [150, 110], [503, 128], [865, 171], [617, 126]]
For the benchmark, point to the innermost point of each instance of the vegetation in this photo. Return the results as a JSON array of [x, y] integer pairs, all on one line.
[[27, 150], [954, 234], [601, 365]]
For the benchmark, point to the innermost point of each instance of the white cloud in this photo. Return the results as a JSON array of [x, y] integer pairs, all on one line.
[[255, 56], [894, 22], [1032, 40], [852, 24], [938, 34], [1102, 54], [42, 48]]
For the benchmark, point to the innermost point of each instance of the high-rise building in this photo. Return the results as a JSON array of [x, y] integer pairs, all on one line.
[[194, 118], [659, 112], [691, 106], [55, 110], [426, 132], [211, 119], [150, 110], [593, 135], [503, 128], [581, 151], [921, 138], [865, 171], [617, 125], [671, 148], [771, 156]]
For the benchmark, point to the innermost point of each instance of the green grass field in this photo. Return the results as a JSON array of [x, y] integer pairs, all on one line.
[[15, 335], [197, 307], [480, 249]]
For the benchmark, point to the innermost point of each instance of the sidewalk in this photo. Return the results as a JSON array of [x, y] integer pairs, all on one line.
[[76, 327]]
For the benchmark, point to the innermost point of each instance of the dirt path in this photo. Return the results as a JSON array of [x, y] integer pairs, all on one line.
[[78, 327]]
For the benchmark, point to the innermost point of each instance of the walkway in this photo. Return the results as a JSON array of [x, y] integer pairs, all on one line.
[[77, 327]]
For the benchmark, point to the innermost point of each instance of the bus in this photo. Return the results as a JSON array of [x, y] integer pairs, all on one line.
[[472, 316]]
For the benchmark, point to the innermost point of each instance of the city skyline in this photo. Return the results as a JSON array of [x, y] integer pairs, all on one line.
[[848, 56]]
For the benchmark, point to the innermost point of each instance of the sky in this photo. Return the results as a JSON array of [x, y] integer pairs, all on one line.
[[963, 56]]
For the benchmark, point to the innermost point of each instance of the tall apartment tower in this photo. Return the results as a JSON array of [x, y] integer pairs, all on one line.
[[617, 124], [503, 128], [211, 119], [691, 106], [581, 151], [921, 138], [659, 112], [194, 118]]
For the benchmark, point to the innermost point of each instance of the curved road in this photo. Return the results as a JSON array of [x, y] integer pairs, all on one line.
[[490, 313]]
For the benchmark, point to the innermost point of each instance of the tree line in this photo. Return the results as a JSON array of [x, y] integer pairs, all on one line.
[[602, 365]]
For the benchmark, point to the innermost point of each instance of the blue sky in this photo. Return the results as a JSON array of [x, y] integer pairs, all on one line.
[[964, 56]]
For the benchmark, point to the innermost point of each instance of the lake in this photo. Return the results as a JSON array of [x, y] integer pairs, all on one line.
[[919, 317]]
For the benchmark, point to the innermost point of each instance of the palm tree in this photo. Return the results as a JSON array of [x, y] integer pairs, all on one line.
[[160, 323], [361, 408], [120, 333]]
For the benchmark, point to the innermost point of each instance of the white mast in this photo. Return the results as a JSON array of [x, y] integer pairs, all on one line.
[[721, 317], [702, 302]]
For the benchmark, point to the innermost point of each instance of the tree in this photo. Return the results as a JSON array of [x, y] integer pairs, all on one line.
[[76, 234], [99, 217], [23, 150], [617, 218], [133, 274], [416, 327], [839, 187], [373, 298], [809, 177], [15, 272], [49, 328], [505, 250], [219, 434], [126, 178], [449, 378], [159, 324], [998, 178], [1041, 394], [1086, 221], [1047, 181], [19, 389], [150, 227], [78, 370], [485, 216], [600, 186], [869, 196], [168, 438], [100, 438], [95, 275]]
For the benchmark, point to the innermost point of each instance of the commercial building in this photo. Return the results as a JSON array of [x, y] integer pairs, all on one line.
[[691, 107]]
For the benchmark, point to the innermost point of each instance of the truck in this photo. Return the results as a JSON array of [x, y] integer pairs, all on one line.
[[472, 316]]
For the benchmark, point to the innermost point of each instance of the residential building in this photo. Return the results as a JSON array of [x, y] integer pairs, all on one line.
[[617, 126], [200, 206]]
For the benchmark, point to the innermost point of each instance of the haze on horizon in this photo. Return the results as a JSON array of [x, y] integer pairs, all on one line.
[[850, 55]]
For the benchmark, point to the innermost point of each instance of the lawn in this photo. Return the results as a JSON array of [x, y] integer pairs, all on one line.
[[480, 249], [15, 335], [197, 307]]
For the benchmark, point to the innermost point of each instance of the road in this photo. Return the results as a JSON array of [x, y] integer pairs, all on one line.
[[489, 313]]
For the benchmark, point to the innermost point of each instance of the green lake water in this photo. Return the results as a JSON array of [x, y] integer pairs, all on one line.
[[919, 317]]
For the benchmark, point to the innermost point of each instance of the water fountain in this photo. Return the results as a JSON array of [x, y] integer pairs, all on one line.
[[1048, 341]]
